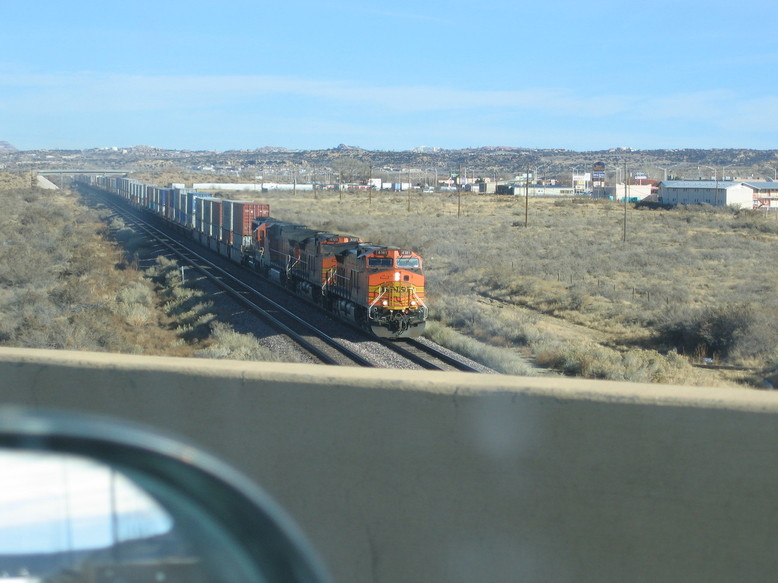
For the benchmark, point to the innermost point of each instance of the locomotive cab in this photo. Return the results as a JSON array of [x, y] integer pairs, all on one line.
[[395, 284], [376, 287]]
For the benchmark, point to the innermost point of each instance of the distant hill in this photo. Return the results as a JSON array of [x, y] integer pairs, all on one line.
[[352, 163]]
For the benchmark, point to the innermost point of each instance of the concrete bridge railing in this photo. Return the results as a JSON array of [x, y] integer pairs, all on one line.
[[436, 477]]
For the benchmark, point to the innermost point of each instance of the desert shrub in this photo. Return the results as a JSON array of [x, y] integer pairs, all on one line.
[[93, 329], [59, 288], [226, 343], [131, 241], [14, 180], [137, 293], [716, 331], [165, 272], [571, 265], [135, 315], [769, 373], [67, 288], [485, 323], [754, 220], [600, 362], [456, 311], [135, 304], [188, 306], [502, 360], [22, 266]]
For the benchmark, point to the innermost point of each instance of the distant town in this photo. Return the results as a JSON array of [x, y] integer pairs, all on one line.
[[715, 176]]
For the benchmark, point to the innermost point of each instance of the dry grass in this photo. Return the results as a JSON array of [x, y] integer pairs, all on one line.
[[571, 292], [687, 298], [14, 180], [64, 285]]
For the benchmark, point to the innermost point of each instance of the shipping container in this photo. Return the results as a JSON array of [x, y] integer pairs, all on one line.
[[236, 219], [191, 197], [167, 209], [150, 190], [208, 216], [186, 206], [156, 200]]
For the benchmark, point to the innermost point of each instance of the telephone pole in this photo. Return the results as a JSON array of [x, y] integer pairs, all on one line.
[[526, 199], [626, 193]]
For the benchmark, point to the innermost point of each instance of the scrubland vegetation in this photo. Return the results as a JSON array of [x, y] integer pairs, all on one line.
[[686, 298], [64, 285]]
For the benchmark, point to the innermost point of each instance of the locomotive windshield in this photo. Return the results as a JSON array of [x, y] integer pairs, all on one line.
[[379, 262], [407, 262]]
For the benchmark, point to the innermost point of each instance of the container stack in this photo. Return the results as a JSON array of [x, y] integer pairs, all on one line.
[[236, 220]]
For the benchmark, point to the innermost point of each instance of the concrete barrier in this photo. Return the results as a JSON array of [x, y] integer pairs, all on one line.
[[436, 477]]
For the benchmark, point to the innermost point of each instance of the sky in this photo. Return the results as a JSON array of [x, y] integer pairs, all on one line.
[[53, 502], [313, 74]]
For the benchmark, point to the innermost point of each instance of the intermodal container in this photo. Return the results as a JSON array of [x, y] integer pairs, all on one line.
[[208, 215], [167, 197], [236, 219]]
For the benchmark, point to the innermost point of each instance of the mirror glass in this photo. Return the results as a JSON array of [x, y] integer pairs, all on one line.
[[66, 518]]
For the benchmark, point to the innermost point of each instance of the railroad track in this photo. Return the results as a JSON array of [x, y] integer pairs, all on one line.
[[433, 357], [318, 344], [322, 347]]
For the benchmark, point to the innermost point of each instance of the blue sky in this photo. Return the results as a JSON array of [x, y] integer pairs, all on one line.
[[240, 74], [52, 502]]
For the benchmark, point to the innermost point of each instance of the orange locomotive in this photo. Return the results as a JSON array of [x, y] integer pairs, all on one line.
[[376, 287]]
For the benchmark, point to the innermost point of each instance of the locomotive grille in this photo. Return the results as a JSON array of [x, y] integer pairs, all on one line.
[[396, 296]]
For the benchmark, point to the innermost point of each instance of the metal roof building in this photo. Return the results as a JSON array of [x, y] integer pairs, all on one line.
[[740, 194]]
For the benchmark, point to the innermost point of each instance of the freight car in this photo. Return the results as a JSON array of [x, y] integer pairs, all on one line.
[[375, 287]]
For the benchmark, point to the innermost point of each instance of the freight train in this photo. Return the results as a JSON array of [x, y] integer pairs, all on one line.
[[375, 287]]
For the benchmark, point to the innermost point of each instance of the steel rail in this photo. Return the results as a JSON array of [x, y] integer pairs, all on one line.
[[175, 247]]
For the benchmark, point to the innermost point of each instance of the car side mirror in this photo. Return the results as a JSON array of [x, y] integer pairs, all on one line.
[[97, 500]]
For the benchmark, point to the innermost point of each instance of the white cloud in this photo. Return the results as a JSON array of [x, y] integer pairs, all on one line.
[[687, 105], [759, 114], [227, 101], [104, 92]]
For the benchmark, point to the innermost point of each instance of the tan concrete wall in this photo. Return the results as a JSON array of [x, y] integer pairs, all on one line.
[[437, 477]]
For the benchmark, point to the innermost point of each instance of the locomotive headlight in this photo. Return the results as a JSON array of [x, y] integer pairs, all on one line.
[[396, 276], [385, 302], [413, 302]]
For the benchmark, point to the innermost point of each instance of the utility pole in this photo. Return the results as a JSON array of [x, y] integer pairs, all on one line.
[[459, 192], [526, 199], [626, 193], [716, 190]]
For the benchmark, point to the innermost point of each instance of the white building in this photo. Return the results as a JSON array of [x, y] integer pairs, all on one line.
[[633, 192], [719, 193], [232, 186], [521, 189], [765, 195]]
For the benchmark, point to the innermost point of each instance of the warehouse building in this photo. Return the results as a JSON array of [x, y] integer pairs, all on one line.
[[521, 189], [740, 194]]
